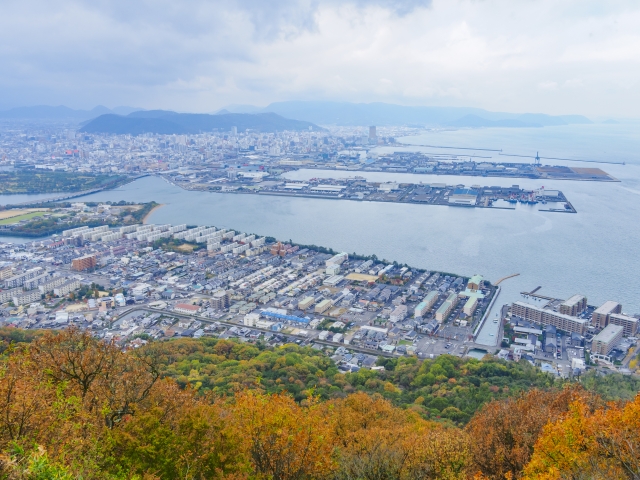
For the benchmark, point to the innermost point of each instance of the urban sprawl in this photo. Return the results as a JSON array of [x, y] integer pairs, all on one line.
[[140, 282]]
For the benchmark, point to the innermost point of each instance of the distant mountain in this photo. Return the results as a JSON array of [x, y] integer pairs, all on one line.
[[346, 113], [46, 112], [166, 122], [474, 121], [237, 108], [124, 110]]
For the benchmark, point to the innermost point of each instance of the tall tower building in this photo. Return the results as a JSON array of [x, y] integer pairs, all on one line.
[[372, 133]]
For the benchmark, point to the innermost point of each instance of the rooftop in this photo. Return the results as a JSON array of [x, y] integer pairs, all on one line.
[[609, 333]]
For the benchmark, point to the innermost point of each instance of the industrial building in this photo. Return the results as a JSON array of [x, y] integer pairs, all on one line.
[[608, 338], [463, 196]]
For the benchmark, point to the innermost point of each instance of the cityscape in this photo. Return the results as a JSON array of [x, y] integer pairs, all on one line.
[[319, 240]]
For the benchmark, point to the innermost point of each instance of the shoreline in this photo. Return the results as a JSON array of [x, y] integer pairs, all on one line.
[[144, 220]]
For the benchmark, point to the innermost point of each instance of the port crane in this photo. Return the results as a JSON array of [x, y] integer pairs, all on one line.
[[537, 159]]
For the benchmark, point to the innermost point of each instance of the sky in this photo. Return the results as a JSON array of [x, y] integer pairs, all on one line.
[[550, 56]]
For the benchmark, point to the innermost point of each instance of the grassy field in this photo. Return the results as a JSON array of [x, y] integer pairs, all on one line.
[[18, 215]]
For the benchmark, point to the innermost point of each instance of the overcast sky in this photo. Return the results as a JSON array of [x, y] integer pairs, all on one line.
[[552, 56]]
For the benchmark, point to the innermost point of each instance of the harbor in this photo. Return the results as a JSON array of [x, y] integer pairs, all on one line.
[[359, 189]]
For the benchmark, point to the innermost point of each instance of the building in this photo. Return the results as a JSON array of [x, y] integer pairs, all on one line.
[[85, 262], [628, 323], [543, 316], [463, 196], [573, 306], [470, 306], [220, 300], [305, 303], [18, 280], [421, 309], [6, 295], [399, 313], [186, 308], [431, 299], [373, 136], [323, 306], [66, 288], [474, 283], [608, 338], [600, 318], [6, 272], [447, 306], [24, 298], [337, 259], [49, 285], [33, 283], [332, 269], [250, 319]]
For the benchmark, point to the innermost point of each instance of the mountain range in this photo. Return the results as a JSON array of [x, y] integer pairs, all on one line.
[[167, 122], [358, 114], [46, 112], [313, 112]]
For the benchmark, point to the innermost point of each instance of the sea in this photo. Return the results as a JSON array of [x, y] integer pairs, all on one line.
[[595, 252]]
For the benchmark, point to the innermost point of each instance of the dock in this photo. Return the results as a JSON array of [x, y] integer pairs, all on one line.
[[533, 293]]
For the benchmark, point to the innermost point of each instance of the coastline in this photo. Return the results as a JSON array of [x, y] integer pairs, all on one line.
[[144, 220]]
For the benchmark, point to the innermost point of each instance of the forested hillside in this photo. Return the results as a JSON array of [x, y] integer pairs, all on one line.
[[74, 407], [447, 387]]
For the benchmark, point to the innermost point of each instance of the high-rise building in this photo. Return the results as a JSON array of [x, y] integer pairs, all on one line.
[[608, 338], [628, 323], [373, 137], [543, 316], [220, 300], [574, 305], [84, 263], [600, 318]]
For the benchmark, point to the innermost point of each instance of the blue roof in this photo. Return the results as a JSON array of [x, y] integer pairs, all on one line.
[[291, 318]]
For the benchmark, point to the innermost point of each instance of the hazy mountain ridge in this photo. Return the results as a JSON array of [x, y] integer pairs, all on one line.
[[347, 113], [167, 122], [60, 112], [314, 112]]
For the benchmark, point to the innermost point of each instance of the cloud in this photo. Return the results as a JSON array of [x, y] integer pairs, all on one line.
[[199, 55]]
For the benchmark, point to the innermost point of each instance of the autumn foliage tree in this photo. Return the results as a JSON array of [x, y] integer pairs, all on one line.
[[590, 443], [73, 406], [506, 431]]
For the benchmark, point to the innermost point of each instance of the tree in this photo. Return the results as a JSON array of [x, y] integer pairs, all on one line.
[[590, 442], [283, 440], [504, 432]]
